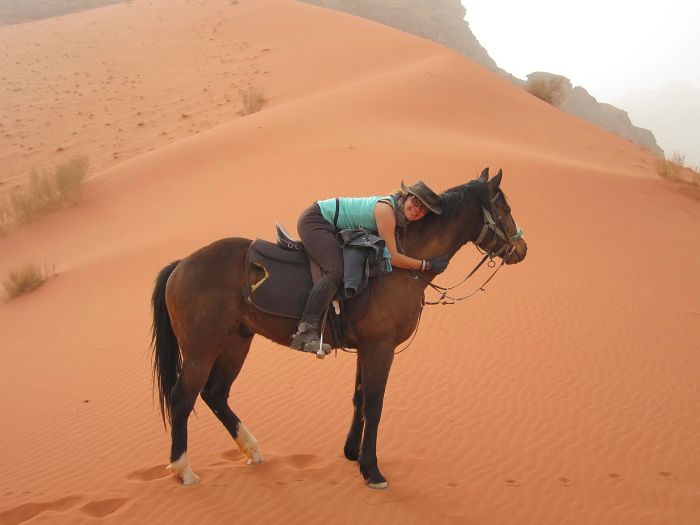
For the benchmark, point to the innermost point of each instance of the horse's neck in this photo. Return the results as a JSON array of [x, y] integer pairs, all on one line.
[[445, 234]]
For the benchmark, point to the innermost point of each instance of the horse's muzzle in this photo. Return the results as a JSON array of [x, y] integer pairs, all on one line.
[[518, 254]]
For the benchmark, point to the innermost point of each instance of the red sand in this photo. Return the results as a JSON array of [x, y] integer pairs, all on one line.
[[568, 393]]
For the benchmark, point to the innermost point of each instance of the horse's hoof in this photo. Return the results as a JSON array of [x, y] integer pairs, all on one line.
[[378, 486], [256, 458], [190, 480], [181, 469]]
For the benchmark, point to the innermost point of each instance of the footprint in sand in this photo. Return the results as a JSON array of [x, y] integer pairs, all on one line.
[[27, 511], [615, 475], [103, 508], [303, 461], [667, 475], [564, 481], [512, 483], [452, 485], [149, 474]]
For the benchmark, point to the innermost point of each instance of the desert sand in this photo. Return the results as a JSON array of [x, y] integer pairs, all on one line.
[[568, 393]]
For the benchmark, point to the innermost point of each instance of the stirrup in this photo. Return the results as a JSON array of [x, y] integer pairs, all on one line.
[[318, 348]]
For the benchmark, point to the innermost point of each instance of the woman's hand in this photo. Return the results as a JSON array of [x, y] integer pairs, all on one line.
[[438, 264]]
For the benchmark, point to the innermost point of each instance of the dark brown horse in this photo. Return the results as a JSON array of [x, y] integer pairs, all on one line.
[[203, 328]]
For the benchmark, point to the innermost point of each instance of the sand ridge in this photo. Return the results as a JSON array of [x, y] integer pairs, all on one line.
[[566, 393]]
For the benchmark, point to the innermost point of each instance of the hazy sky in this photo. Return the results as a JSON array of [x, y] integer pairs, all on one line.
[[608, 47]]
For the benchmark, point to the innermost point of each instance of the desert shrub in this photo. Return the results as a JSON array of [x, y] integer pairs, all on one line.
[[551, 90], [25, 279], [49, 191], [672, 168], [68, 179], [32, 201], [253, 100], [678, 159]]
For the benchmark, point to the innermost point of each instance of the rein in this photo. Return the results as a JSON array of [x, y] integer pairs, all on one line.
[[508, 247]]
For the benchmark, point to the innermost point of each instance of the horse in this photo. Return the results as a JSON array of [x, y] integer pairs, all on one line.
[[203, 328]]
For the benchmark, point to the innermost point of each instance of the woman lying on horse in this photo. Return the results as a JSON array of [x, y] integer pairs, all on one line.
[[380, 215]]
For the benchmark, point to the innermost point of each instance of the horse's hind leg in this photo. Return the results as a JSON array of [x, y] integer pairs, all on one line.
[[216, 392], [190, 382], [352, 443]]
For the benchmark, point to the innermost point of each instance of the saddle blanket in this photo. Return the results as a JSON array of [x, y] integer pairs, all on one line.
[[278, 282]]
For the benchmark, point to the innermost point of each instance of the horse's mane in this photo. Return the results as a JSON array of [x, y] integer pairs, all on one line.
[[453, 199]]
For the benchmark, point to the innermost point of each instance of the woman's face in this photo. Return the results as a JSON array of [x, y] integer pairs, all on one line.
[[414, 209]]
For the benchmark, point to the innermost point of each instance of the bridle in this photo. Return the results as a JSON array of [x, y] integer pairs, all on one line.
[[491, 225], [498, 228]]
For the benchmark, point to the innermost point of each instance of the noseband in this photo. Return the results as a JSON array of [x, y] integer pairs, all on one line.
[[499, 231]]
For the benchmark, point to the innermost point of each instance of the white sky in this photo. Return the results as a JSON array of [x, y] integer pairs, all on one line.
[[608, 47]]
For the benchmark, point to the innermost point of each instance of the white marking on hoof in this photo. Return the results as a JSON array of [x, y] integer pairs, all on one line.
[[181, 469], [378, 486], [246, 442]]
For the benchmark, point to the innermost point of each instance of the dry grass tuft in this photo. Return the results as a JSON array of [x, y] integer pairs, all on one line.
[[69, 178], [672, 168], [26, 279], [253, 100], [49, 191], [551, 90], [675, 170]]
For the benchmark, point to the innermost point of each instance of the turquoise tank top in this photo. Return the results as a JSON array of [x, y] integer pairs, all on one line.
[[354, 212]]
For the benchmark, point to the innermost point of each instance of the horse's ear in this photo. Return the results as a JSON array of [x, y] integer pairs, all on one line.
[[484, 177], [496, 181]]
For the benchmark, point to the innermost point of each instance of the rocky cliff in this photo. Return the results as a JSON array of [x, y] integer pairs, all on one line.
[[577, 101], [443, 21]]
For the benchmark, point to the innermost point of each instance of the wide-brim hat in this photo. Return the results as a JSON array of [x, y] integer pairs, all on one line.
[[423, 193]]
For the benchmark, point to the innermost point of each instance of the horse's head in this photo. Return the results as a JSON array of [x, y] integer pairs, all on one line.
[[500, 235]]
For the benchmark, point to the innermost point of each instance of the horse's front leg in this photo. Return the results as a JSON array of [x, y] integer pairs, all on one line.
[[354, 439], [375, 363]]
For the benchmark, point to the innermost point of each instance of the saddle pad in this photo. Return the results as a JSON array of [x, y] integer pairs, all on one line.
[[285, 283], [278, 281]]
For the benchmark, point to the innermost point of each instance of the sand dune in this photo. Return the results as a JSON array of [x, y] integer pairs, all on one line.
[[567, 393]]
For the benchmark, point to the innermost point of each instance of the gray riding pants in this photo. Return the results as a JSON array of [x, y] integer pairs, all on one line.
[[318, 236]]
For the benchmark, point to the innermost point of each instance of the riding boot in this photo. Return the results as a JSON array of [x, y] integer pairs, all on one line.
[[306, 337]]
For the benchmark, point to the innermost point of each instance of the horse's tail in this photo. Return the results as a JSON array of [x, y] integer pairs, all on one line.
[[167, 362]]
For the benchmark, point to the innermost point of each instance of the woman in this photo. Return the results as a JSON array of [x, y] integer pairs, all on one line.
[[380, 215]]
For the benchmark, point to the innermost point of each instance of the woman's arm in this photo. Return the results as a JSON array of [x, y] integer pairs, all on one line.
[[386, 228]]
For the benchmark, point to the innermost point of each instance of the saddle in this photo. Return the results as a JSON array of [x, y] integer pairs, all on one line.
[[279, 277]]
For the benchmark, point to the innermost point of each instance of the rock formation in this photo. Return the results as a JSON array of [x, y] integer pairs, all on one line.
[[577, 101], [441, 21]]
